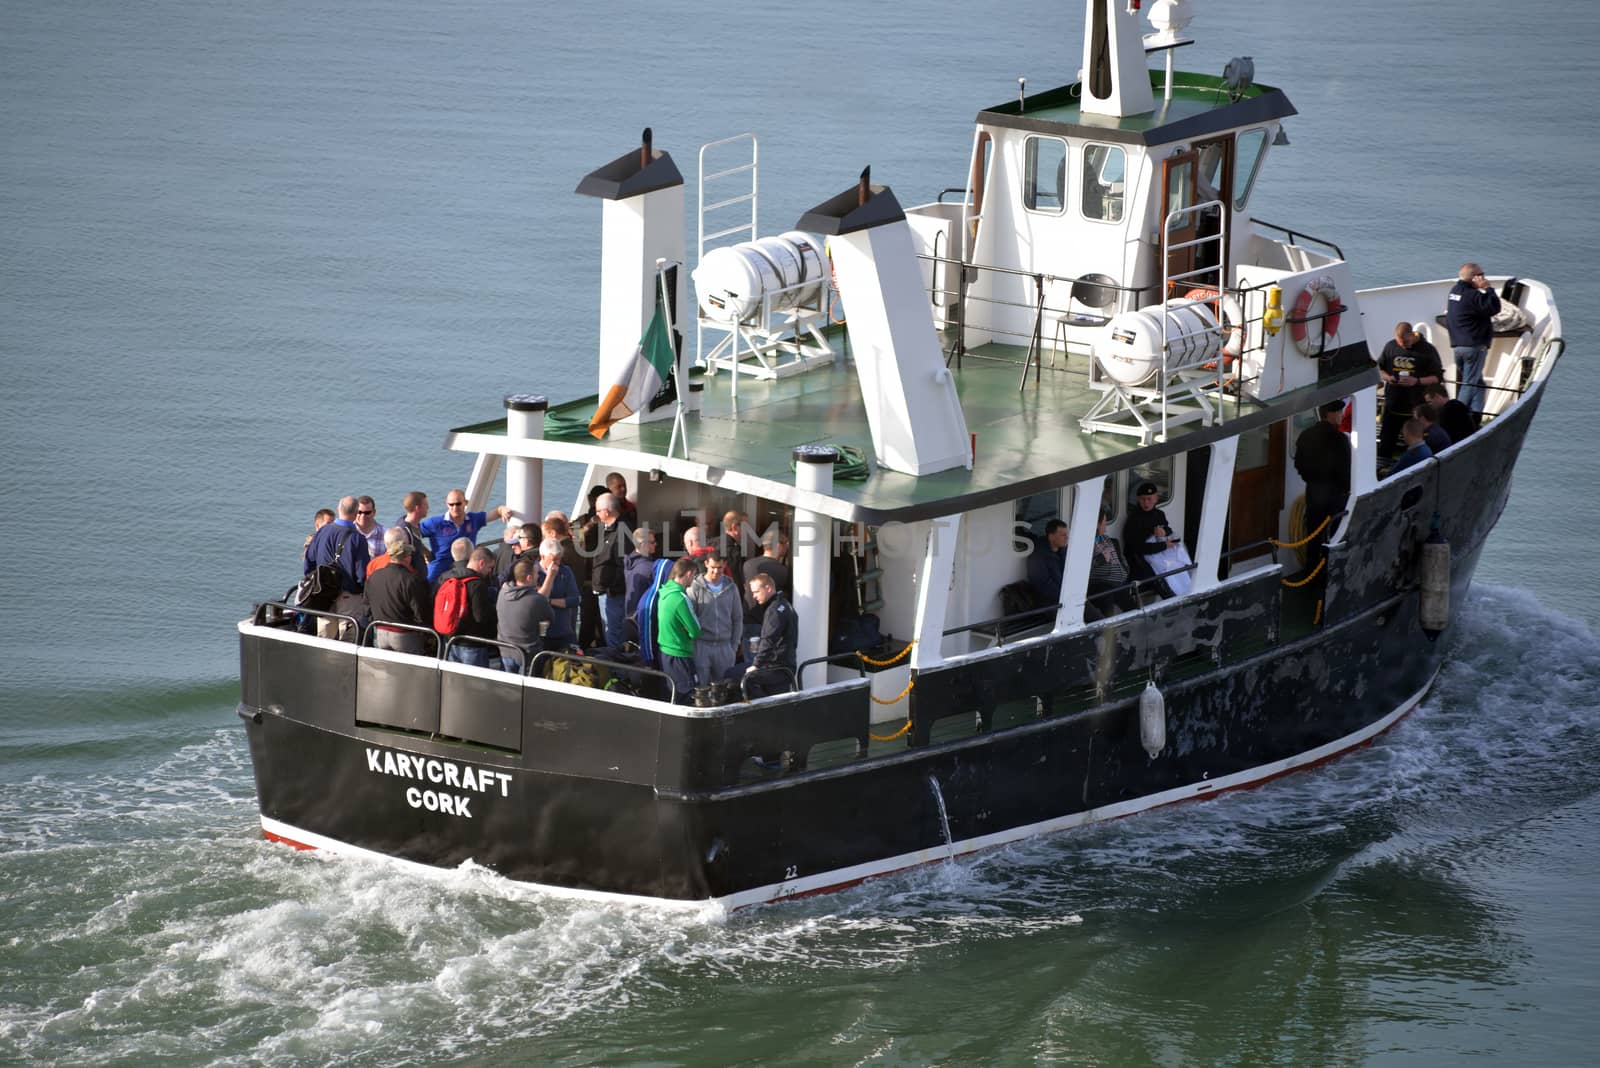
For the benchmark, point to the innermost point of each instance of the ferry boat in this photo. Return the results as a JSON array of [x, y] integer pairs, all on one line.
[[1091, 309]]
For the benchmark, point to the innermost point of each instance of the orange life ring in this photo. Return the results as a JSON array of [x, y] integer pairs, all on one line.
[[1333, 306], [1229, 315]]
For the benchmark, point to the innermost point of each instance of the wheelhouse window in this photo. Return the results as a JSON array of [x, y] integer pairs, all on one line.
[[1248, 152], [1103, 182], [1044, 186]]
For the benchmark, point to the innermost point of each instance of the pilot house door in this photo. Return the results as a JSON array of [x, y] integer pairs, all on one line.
[[1257, 501], [1177, 192]]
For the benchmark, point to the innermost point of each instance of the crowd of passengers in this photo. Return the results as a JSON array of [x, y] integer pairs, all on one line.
[[601, 586]]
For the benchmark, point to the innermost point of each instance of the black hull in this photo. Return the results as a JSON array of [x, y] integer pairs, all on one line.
[[598, 795]]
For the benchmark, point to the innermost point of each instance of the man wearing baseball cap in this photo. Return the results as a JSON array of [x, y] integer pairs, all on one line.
[[1322, 456]]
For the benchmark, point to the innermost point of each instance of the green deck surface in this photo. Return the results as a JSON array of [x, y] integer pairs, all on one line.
[[1027, 439], [1192, 95]]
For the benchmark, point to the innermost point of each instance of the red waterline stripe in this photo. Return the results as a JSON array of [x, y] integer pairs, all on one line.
[[269, 836]]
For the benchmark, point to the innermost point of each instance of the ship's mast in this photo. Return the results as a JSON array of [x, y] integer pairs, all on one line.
[[1115, 78]]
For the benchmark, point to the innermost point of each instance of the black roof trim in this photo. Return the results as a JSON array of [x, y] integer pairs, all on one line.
[[1266, 105], [623, 177], [843, 214]]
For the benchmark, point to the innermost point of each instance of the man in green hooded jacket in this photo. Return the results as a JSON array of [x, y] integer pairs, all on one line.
[[677, 628]]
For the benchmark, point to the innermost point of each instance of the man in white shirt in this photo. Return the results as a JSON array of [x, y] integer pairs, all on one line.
[[367, 523]]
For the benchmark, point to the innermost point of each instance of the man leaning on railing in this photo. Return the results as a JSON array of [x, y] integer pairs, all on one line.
[[399, 593]]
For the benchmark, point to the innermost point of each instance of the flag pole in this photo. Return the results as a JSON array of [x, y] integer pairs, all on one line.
[[680, 427]]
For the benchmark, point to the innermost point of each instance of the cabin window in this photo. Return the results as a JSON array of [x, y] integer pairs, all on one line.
[[1251, 147], [1103, 178], [1159, 472], [1037, 509], [1118, 496], [1044, 186], [1212, 157]]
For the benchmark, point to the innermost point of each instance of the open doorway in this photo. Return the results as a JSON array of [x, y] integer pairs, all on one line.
[[1196, 256]]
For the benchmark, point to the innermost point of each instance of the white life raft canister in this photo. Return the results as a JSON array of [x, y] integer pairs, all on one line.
[[1128, 348], [731, 281]]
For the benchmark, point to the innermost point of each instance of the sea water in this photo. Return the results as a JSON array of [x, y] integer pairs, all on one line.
[[258, 256]]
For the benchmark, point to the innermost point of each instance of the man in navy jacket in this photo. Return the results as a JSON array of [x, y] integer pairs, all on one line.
[[339, 543], [1470, 314]]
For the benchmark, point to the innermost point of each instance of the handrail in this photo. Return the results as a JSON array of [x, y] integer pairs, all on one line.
[[522, 654], [999, 633], [800, 672], [794, 681], [1041, 280], [1261, 543], [1021, 273], [1134, 584], [258, 615], [952, 189], [1273, 542], [369, 636], [1293, 234], [638, 668]]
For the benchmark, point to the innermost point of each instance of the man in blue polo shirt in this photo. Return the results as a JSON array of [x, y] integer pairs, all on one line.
[[442, 530]]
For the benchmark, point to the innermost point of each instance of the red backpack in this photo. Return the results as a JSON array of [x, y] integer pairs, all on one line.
[[450, 602]]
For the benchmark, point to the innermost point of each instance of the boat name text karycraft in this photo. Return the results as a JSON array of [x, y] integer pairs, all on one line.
[[438, 772]]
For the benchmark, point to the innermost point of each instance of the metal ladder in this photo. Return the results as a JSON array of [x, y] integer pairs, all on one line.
[[1211, 408], [1202, 388], [748, 229]]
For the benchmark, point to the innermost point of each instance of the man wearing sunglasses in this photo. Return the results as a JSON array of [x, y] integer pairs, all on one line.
[[371, 529], [442, 530], [1470, 314]]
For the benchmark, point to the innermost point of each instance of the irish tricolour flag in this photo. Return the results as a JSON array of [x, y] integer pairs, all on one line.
[[640, 379]]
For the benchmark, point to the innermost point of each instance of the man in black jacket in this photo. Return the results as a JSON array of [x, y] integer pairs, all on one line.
[[771, 669], [399, 594], [1454, 417], [606, 573], [1322, 456], [1470, 313], [1146, 532], [1408, 365]]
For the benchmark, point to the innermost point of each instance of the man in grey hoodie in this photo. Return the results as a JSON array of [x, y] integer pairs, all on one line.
[[720, 609], [522, 609]]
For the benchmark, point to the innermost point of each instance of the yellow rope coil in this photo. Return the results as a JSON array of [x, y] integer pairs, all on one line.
[[1303, 541], [896, 698], [1314, 573], [895, 659]]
